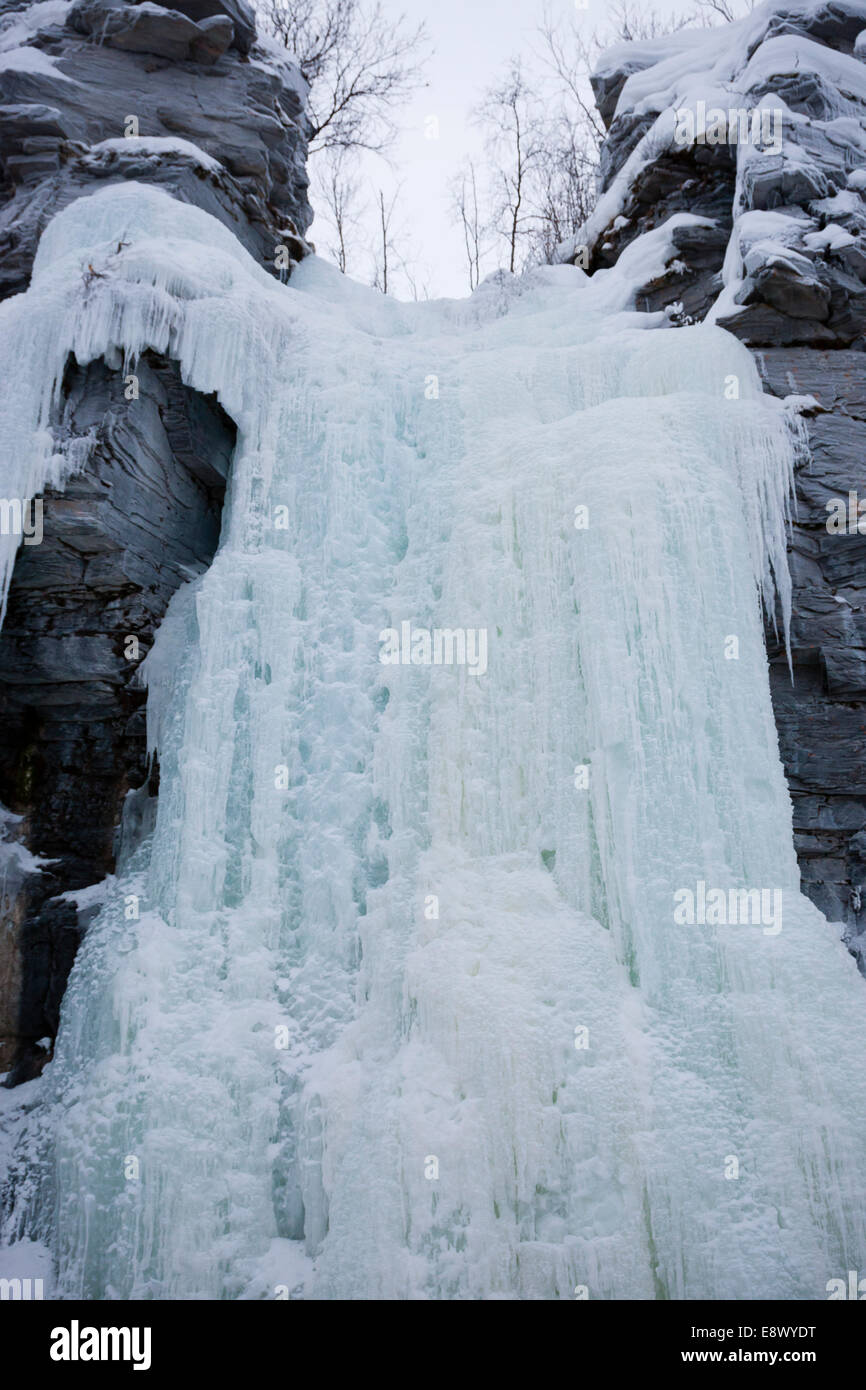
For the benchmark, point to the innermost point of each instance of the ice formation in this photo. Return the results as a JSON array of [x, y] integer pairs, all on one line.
[[406, 1010]]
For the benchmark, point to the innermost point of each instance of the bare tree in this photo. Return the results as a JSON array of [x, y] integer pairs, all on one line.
[[564, 186], [542, 147], [464, 199], [725, 9], [632, 21], [384, 255], [337, 191], [419, 288], [509, 117], [361, 65], [567, 58]]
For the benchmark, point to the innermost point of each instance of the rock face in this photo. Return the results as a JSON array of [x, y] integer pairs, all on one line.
[[787, 207], [142, 517], [821, 717], [220, 122], [75, 94]]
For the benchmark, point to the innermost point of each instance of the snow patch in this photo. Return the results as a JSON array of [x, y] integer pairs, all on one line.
[[158, 145], [32, 60]]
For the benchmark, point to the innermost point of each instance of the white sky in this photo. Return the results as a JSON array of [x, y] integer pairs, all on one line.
[[472, 39]]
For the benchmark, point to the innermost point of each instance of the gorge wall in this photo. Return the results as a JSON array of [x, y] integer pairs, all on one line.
[[765, 236], [94, 93]]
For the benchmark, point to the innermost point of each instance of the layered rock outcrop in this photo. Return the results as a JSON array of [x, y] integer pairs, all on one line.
[[96, 92], [762, 219], [92, 93], [139, 520]]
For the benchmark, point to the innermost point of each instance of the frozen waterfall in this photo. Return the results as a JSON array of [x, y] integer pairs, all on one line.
[[402, 997]]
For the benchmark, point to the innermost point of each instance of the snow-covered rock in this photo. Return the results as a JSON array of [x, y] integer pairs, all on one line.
[[78, 83]]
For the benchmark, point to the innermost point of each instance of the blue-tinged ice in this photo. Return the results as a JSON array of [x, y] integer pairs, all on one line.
[[395, 1002]]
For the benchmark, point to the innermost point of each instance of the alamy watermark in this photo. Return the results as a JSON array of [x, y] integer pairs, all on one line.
[[852, 1288], [23, 1290], [850, 519], [22, 517], [438, 646], [77, 1343], [718, 907], [758, 125]]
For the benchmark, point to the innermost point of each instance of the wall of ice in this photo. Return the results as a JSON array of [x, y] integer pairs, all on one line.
[[406, 1010]]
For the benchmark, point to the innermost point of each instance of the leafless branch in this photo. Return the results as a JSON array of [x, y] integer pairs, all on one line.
[[360, 62]]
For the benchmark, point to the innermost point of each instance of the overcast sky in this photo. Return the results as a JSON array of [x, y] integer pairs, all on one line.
[[472, 40]]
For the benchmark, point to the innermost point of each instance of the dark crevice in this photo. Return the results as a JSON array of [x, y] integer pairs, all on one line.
[[143, 517]]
